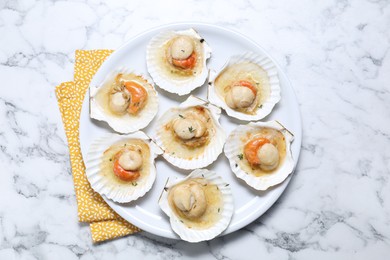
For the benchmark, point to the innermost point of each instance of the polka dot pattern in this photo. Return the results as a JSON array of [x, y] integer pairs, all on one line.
[[104, 222]]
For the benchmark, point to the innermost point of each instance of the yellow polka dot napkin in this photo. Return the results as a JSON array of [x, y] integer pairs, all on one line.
[[104, 222]]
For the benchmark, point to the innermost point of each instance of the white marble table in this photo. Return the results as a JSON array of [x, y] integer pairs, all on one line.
[[337, 55]]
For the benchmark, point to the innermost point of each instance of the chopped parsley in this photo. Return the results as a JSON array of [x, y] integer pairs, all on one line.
[[219, 209], [181, 116], [191, 129], [240, 156], [134, 183], [260, 106]]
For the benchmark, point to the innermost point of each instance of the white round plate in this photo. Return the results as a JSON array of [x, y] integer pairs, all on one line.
[[249, 204]]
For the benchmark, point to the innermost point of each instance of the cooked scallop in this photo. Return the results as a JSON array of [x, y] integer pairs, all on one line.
[[176, 60], [240, 97], [260, 153], [121, 167], [247, 87], [125, 100], [190, 134], [199, 206]]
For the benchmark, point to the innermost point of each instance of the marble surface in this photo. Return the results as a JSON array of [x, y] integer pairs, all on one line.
[[336, 54]]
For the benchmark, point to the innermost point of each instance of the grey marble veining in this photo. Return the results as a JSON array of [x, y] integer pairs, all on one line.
[[336, 54]]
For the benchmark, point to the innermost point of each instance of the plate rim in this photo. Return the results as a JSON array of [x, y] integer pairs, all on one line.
[[263, 208]]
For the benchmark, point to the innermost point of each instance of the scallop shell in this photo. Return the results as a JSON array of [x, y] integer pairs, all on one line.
[[213, 149], [266, 108], [126, 123], [180, 87], [116, 191], [197, 235], [234, 144]]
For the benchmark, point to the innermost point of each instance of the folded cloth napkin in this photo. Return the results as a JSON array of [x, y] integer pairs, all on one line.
[[104, 222]]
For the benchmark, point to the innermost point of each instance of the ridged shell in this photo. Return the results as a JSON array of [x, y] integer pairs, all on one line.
[[213, 149], [180, 87], [272, 71], [126, 123], [118, 192], [196, 235], [234, 144]]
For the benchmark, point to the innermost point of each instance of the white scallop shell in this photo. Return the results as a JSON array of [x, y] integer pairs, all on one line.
[[272, 71], [196, 235], [180, 87], [214, 147], [116, 191], [126, 123], [234, 144]]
